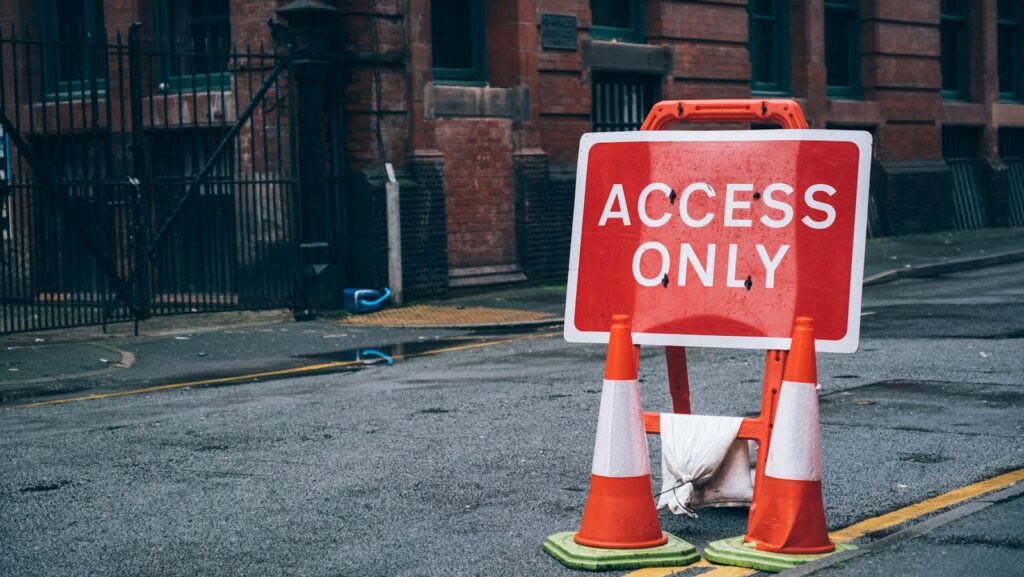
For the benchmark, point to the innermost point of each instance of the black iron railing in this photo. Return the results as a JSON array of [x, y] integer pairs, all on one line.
[[970, 203], [1011, 150], [135, 190]]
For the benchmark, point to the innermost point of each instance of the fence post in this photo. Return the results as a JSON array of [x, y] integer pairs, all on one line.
[[310, 23], [139, 180]]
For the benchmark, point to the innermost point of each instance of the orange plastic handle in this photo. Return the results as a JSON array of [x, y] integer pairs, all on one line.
[[785, 112]]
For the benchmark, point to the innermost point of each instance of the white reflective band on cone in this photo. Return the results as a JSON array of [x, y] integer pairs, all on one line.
[[794, 450], [621, 446]]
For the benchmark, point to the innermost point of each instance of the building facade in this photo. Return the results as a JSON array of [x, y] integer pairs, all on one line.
[[480, 105]]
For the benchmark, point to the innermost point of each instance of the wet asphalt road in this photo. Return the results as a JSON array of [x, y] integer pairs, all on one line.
[[462, 463]]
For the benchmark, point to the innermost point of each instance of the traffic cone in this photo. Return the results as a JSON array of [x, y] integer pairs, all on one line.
[[620, 511], [786, 526], [789, 515], [620, 528]]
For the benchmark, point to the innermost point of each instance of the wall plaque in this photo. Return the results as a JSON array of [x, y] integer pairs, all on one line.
[[558, 32]]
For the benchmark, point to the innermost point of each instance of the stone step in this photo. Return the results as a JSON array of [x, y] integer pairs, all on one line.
[[485, 276]]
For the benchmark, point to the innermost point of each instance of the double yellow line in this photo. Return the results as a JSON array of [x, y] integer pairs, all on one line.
[[278, 373]]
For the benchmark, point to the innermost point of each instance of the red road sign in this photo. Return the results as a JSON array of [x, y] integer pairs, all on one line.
[[720, 238]]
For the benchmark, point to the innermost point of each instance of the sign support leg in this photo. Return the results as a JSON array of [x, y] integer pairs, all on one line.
[[678, 380]]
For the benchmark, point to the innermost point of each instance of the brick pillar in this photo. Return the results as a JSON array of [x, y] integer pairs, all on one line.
[[522, 26], [421, 74], [985, 83], [808, 56]]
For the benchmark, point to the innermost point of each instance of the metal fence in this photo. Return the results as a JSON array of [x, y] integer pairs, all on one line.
[[960, 150], [1011, 149], [143, 181]]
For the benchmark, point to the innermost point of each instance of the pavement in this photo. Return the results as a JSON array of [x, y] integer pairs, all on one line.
[[30, 363]]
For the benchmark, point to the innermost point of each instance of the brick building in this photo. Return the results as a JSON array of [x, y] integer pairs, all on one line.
[[480, 105], [501, 91]]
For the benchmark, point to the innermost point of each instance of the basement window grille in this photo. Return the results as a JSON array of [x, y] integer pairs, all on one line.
[[621, 101]]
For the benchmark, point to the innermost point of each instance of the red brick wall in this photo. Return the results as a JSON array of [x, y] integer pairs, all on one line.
[[900, 73], [360, 23], [563, 94], [709, 55], [479, 195]]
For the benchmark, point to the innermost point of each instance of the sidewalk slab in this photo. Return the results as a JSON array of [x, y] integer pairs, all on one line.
[[441, 316]]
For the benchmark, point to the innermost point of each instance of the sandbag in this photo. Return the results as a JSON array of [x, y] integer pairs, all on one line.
[[703, 464]]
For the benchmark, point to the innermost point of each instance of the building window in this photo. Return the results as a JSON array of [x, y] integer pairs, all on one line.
[[954, 55], [842, 47], [194, 37], [769, 46], [621, 101], [75, 53], [458, 41], [1010, 31], [617, 20]]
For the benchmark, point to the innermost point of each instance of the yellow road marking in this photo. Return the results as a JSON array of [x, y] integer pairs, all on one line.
[[858, 530], [277, 373], [927, 506], [716, 570], [153, 389]]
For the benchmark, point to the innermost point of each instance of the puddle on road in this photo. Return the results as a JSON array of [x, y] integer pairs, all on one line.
[[388, 354], [45, 487], [357, 359], [433, 411], [975, 392], [928, 406], [923, 458]]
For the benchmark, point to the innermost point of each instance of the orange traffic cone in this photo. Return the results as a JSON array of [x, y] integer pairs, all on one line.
[[788, 514], [620, 528], [620, 511]]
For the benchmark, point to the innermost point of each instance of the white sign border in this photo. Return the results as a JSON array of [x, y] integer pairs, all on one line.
[[847, 344]]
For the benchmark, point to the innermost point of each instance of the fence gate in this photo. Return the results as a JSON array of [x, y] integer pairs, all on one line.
[[143, 181], [960, 150]]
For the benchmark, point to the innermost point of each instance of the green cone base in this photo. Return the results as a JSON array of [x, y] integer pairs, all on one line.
[[675, 553], [734, 551]]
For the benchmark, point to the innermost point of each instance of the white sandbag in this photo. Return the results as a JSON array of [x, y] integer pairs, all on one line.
[[693, 447], [732, 484]]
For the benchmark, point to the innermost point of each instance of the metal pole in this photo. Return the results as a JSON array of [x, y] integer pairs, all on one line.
[[394, 218], [138, 179]]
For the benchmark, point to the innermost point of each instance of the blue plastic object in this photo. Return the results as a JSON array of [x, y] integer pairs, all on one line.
[[370, 356], [365, 300]]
